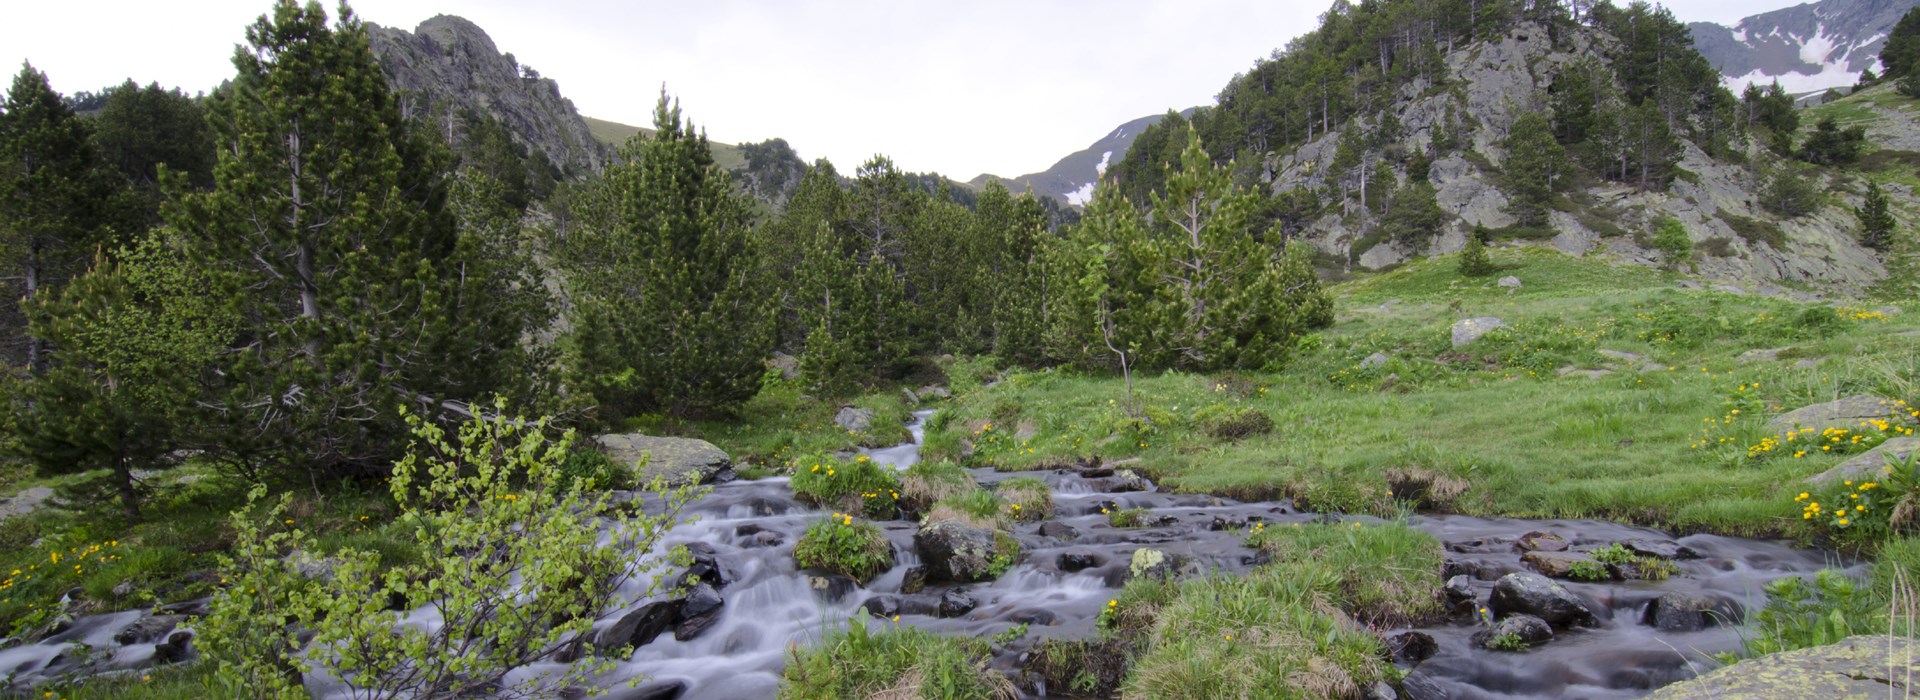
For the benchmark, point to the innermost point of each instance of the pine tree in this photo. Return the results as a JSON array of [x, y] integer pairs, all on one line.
[[53, 195], [1901, 53], [1010, 277], [1876, 221], [1415, 216], [669, 311], [330, 212], [1474, 261], [1534, 168]]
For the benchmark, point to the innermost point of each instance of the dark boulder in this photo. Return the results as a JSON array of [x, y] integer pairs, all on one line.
[[1059, 530], [1530, 630], [956, 602], [955, 551], [1683, 611], [1411, 647], [147, 629], [640, 625], [1536, 595], [1077, 560], [699, 613]]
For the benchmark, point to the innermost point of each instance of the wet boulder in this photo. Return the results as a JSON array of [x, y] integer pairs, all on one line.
[[1541, 542], [1686, 611], [1077, 560], [1660, 549], [882, 606], [1574, 565], [955, 551], [640, 625], [177, 648], [680, 461], [147, 629], [699, 613], [956, 602], [1059, 531], [832, 588], [1539, 596], [1865, 666], [1035, 616], [1411, 647], [706, 566], [1524, 629], [1122, 481]]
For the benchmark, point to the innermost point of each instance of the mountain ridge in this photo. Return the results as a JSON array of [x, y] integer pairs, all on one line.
[[1808, 48]]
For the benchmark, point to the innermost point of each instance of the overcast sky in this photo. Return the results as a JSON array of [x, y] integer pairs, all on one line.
[[1000, 86]]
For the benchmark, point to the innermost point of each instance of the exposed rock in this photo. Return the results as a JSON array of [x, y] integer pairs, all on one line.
[[1381, 690], [1624, 356], [1059, 530], [190, 608], [1536, 595], [1077, 560], [1537, 541], [1222, 523], [832, 588], [1557, 564], [1682, 611], [955, 551], [1660, 549], [854, 419], [1465, 331], [1152, 563], [1122, 481], [931, 393], [1411, 647], [1375, 360], [681, 461], [882, 606], [147, 629], [1806, 364], [1865, 666], [1571, 371], [1427, 490], [1510, 282], [914, 580], [1766, 355], [788, 365], [1847, 413], [641, 625], [448, 63], [1527, 628], [699, 613], [956, 602], [765, 538], [1034, 616], [310, 566], [1868, 465], [706, 566]]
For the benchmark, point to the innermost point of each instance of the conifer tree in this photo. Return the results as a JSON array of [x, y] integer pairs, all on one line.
[[329, 210], [1876, 222], [1011, 276], [1534, 168], [1474, 261], [54, 203], [669, 312]]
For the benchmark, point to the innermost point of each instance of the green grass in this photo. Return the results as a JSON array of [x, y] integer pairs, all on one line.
[[725, 155], [928, 481], [843, 546], [979, 508], [1494, 415], [190, 681], [783, 422], [888, 660], [1028, 499], [1386, 575]]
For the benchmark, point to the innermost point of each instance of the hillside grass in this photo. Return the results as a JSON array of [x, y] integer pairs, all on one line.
[[725, 155], [1634, 446]]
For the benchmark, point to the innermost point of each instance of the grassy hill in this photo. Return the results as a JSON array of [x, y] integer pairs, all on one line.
[[727, 155]]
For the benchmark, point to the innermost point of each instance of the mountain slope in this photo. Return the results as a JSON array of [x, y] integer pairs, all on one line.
[[1071, 180], [1808, 48], [448, 65]]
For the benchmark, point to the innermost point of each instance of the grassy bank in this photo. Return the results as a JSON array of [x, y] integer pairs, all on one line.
[[1661, 439]]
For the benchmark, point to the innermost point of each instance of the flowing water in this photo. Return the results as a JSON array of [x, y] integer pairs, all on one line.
[[771, 606]]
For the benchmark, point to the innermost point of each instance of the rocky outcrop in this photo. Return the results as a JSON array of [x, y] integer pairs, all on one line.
[[679, 461], [448, 65], [1467, 330], [1868, 465], [1866, 666], [853, 419], [955, 551], [1848, 413]]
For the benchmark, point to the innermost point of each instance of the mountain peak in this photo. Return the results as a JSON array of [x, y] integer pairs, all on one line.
[[1808, 48]]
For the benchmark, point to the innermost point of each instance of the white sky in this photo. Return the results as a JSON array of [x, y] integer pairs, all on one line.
[[1000, 86]]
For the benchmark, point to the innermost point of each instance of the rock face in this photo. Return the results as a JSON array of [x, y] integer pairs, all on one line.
[[1465, 331], [450, 63], [1529, 630], [680, 461], [1857, 667], [1847, 413], [1536, 595], [1808, 48], [1868, 465], [955, 551]]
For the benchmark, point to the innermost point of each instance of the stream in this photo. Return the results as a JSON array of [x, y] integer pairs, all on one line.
[[770, 605]]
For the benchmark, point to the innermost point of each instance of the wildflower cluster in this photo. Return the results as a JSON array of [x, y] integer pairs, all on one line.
[[842, 546], [860, 483], [28, 591], [1860, 314], [1865, 436], [1109, 615], [992, 448], [1888, 503]]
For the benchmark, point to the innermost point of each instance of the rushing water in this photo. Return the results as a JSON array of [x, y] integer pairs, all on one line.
[[771, 606]]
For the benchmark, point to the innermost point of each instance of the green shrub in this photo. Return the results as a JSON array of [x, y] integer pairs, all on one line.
[[1508, 642], [1126, 517], [1474, 261], [1227, 422], [1801, 613], [1028, 499], [841, 546], [859, 484], [1589, 571], [1790, 194], [594, 470], [1755, 230], [894, 662], [1670, 237], [926, 482], [456, 496]]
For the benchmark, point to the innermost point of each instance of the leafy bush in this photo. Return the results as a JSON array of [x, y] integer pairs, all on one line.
[[1801, 613], [1028, 499], [926, 482], [474, 493], [1670, 237], [894, 662], [1868, 507], [840, 545], [1790, 194], [860, 484], [1230, 423], [594, 470]]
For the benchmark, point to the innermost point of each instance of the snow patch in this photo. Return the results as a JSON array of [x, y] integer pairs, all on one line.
[[1815, 49], [1831, 75], [1101, 168], [1740, 35], [1080, 197]]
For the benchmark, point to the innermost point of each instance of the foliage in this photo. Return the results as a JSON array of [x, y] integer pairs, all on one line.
[[1674, 242], [1873, 506], [329, 211], [859, 483], [893, 661], [1589, 571], [558, 562], [929, 481], [1802, 613], [1790, 193], [1229, 422], [1387, 575], [1474, 261], [1535, 168], [1414, 217], [1508, 642], [979, 508], [1876, 222], [841, 546], [1126, 517], [593, 471], [1900, 55], [669, 312], [1773, 112], [1831, 145]]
